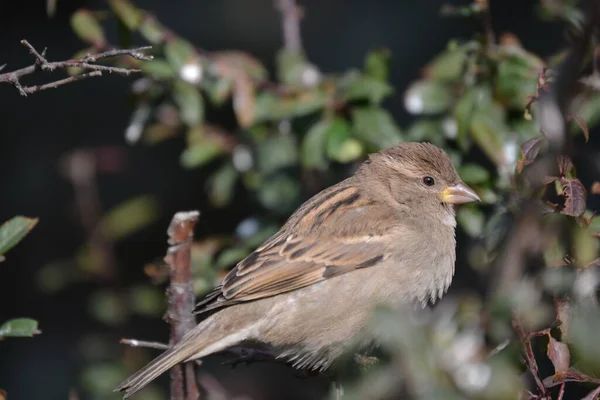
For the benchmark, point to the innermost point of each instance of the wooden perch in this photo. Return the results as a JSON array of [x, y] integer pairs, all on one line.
[[181, 299]]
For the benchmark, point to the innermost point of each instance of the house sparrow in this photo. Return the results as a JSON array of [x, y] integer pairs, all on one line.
[[383, 236]]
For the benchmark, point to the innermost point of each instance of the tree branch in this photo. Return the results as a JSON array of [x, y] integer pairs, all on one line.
[[291, 14], [181, 298], [87, 63]]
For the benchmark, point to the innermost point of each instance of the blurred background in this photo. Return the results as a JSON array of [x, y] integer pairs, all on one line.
[[105, 163]]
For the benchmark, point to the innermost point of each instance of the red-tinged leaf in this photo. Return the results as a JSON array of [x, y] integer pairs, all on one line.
[[550, 179], [573, 375], [593, 395], [582, 125], [565, 165], [560, 356], [575, 197], [531, 148], [595, 188], [529, 151], [244, 100], [563, 314]]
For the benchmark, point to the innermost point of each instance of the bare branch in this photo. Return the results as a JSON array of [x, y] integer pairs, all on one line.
[[181, 298], [53, 85], [144, 343], [529, 356], [86, 63], [291, 14]]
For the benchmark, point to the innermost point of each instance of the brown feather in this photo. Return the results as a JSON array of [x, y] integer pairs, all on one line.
[[314, 252]]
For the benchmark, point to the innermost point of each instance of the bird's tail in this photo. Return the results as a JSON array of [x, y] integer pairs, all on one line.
[[206, 338], [156, 367]]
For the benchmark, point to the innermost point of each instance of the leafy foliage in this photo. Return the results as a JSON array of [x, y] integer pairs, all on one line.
[[478, 98]]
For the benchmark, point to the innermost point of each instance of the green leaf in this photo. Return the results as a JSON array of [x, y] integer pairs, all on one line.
[[158, 69], [86, 26], [273, 107], [348, 150], [428, 97], [314, 143], [19, 327], [376, 127], [218, 90], [473, 174], [231, 256], [277, 152], [180, 52], [340, 146], [290, 66], [222, 184], [200, 154], [448, 66], [190, 103], [489, 130], [107, 307], [471, 220], [589, 108], [366, 87], [516, 76], [377, 64], [475, 97], [426, 130], [147, 300], [127, 13], [100, 379], [584, 325], [278, 193], [129, 217], [152, 30], [14, 230]]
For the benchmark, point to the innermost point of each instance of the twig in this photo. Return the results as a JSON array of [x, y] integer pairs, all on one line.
[[81, 168], [529, 356], [144, 343], [291, 14], [181, 298], [240, 354], [487, 21], [561, 392], [87, 63]]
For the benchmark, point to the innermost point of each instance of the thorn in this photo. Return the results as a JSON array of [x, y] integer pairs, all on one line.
[[3, 66]]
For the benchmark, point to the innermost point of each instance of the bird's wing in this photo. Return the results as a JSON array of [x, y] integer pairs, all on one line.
[[327, 236]]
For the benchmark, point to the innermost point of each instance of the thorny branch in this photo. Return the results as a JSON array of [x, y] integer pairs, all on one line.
[[181, 299], [87, 63]]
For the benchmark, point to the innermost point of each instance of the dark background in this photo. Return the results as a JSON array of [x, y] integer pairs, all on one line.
[[35, 132]]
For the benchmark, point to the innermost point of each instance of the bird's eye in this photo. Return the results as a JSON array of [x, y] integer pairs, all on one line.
[[429, 181]]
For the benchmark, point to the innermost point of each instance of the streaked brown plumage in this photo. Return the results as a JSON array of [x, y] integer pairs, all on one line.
[[384, 235]]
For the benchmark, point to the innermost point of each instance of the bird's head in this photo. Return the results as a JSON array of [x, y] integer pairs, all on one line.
[[418, 173]]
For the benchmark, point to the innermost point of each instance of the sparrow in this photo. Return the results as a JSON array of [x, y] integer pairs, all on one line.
[[384, 236]]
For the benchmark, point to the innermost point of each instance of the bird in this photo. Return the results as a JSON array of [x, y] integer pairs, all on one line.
[[383, 236]]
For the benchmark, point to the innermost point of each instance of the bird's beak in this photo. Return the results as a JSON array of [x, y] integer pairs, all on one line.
[[459, 194]]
